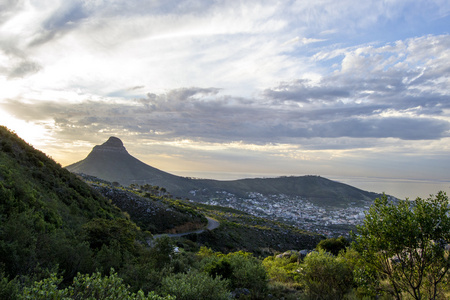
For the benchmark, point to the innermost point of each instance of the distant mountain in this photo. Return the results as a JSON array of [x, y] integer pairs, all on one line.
[[111, 161]]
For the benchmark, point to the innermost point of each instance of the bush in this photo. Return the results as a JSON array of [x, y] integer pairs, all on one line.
[[333, 245], [101, 232], [242, 269], [195, 285], [283, 269], [8, 288], [325, 276], [86, 287], [248, 272]]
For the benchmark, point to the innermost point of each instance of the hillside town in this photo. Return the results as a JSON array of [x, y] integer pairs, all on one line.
[[296, 211]]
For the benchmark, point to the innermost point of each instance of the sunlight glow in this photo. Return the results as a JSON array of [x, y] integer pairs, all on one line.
[[32, 133]]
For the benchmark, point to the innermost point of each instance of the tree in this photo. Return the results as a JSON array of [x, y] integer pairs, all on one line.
[[405, 244]]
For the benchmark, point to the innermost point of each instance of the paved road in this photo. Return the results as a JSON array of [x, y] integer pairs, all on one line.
[[212, 224]]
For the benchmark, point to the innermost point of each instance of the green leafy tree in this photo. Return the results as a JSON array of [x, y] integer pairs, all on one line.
[[405, 244]]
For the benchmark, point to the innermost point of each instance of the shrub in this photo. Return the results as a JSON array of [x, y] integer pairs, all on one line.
[[242, 269], [283, 269], [8, 288], [86, 287], [195, 285], [325, 276], [333, 245]]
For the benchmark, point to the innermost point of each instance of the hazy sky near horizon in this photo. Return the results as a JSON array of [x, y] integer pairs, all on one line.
[[332, 88]]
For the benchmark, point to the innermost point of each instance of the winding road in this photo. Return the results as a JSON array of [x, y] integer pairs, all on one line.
[[212, 224]]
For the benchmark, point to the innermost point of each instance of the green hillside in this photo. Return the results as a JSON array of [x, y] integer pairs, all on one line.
[[43, 209]]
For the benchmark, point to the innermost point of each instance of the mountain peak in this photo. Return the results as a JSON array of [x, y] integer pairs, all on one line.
[[113, 142], [111, 161]]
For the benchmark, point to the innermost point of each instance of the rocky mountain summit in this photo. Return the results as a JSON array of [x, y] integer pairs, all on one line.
[[113, 144]]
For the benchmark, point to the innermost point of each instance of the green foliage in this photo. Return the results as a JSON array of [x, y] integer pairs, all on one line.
[[45, 289], [404, 243], [101, 232], [221, 267], [162, 251], [283, 270], [195, 285], [325, 276], [242, 269], [86, 287], [333, 245], [248, 272], [42, 209], [9, 289]]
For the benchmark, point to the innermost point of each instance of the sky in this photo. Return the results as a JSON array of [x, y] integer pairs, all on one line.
[[356, 91]]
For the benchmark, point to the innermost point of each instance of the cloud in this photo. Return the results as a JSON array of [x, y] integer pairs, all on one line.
[[24, 68], [203, 114], [304, 91], [403, 128], [305, 76], [8, 9], [379, 92]]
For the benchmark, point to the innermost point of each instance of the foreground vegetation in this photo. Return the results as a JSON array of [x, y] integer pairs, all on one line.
[[60, 239]]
